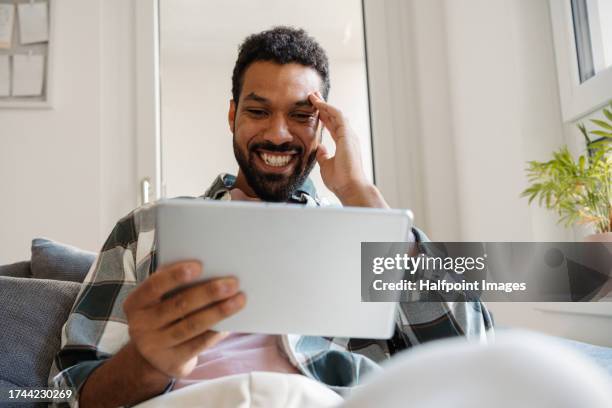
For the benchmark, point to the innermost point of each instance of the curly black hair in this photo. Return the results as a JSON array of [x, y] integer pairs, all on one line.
[[282, 45]]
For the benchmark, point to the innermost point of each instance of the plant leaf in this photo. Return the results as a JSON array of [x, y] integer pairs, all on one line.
[[601, 133], [584, 132], [602, 124], [596, 144]]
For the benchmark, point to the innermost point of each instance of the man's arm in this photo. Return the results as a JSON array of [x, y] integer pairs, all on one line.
[[105, 339], [166, 335], [343, 172], [362, 195], [138, 381], [436, 318], [96, 327]]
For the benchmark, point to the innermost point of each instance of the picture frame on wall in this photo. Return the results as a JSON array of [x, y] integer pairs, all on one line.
[[26, 54]]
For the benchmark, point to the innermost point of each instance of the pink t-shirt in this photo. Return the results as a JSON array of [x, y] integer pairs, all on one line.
[[239, 353]]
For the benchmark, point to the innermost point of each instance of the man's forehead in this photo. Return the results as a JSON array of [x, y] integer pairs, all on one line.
[[268, 82]]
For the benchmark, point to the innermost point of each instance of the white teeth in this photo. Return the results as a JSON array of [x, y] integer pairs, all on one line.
[[276, 160]]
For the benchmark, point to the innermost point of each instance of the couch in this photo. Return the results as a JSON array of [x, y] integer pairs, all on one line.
[[36, 298]]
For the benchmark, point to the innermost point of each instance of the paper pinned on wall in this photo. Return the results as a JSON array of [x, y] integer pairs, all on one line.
[[5, 76], [28, 74], [7, 19], [33, 23]]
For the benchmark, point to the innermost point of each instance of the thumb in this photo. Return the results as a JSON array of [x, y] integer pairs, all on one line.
[[322, 154]]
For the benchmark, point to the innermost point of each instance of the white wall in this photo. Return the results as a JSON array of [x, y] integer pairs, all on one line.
[[119, 192], [196, 140], [465, 93], [66, 173], [487, 101], [502, 110], [470, 90]]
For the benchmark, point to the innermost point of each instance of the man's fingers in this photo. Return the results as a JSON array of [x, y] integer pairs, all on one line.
[[191, 299], [320, 104], [331, 117], [322, 154], [330, 123], [165, 279], [201, 321]]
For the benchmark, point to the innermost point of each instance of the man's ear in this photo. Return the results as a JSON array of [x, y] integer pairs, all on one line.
[[231, 115]]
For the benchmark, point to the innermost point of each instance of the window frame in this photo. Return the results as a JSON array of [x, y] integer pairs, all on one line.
[[577, 99]]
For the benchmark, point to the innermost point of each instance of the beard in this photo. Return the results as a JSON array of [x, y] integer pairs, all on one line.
[[271, 186]]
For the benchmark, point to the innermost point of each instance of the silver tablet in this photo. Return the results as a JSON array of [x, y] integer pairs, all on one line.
[[299, 266]]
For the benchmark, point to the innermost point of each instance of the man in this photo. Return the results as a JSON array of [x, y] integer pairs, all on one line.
[[123, 343]]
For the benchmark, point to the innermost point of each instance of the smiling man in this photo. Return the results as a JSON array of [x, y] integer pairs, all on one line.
[[274, 118], [275, 130], [125, 343]]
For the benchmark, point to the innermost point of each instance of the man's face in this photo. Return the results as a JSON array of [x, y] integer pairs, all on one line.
[[275, 128]]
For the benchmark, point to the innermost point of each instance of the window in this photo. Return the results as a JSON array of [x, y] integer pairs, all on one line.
[[583, 48], [593, 35]]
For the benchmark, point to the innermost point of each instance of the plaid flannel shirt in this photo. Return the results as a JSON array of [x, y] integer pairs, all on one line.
[[97, 326]]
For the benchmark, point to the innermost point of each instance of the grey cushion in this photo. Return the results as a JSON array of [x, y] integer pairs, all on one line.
[[16, 270], [53, 260], [6, 385], [31, 317]]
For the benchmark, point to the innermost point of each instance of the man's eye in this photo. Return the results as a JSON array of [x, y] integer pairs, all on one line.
[[303, 117], [258, 113]]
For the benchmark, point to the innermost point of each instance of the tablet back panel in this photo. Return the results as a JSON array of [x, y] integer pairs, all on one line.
[[299, 266]]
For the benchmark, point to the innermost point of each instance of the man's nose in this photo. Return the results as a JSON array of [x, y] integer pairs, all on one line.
[[278, 131]]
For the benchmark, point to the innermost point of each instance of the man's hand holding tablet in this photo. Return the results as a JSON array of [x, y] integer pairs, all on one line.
[[170, 332], [166, 332]]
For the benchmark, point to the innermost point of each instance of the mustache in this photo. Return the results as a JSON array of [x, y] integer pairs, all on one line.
[[269, 146]]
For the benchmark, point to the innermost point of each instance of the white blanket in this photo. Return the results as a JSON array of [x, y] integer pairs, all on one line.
[[254, 390], [518, 370]]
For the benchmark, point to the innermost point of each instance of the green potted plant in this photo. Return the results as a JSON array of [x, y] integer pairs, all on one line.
[[580, 191]]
